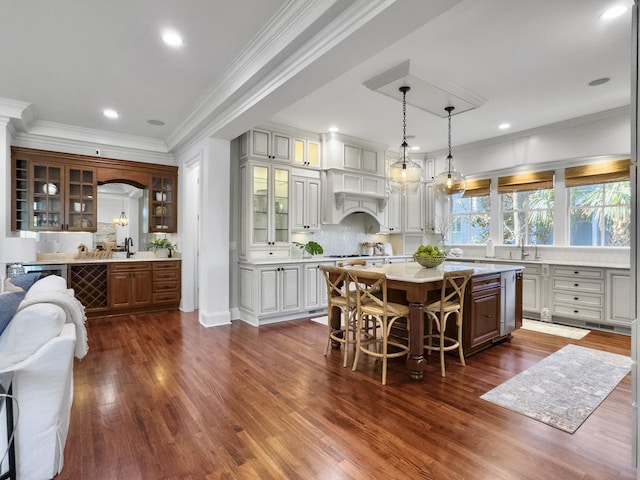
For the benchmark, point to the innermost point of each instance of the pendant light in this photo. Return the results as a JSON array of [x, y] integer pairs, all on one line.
[[404, 175], [450, 182], [122, 220]]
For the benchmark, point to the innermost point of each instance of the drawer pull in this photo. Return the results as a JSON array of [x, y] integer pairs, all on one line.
[[576, 311], [576, 298], [576, 273], [576, 284]]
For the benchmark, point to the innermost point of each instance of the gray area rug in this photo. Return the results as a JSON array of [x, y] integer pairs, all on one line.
[[563, 389]]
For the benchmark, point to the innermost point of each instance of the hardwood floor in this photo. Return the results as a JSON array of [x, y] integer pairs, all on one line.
[[160, 397]]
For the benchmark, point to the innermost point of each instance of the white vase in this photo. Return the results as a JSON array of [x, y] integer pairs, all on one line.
[[161, 252]]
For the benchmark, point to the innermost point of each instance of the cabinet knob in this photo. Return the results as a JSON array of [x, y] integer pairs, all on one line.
[[576, 284], [576, 311], [576, 298], [576, 273]]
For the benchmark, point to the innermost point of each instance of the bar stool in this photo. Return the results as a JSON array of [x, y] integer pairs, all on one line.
[[340, 296], [371, 288], [451, 302]]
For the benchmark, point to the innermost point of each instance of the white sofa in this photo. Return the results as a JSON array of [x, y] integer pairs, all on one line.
[[38, 345]]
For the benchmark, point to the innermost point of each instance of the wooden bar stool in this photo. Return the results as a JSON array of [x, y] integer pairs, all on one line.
[[341, 297], [371, 288], [451, 302]]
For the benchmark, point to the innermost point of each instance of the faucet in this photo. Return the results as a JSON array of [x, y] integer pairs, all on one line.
[[523, 254], [535, 251], [128, 243]]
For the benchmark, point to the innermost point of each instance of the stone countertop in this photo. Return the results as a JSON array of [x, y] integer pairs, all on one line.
[[541, 261], [70, 258]]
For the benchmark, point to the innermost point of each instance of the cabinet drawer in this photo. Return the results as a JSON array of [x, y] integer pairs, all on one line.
[[129, 267], [577, 312], [166, 297], [532, 270], [579, 285], [485, 282], [172, 265], [166, 287], [578, 272], [578, 299], [165, 275]]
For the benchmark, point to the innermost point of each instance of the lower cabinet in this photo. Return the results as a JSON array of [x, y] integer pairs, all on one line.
[[620, 307], [578, 294], [481, 313], [315, 287], [531, 291], [130, 285], [166, 285]]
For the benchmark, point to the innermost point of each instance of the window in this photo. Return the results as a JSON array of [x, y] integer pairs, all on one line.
[[471, 214], [527, 208], [599, 204]]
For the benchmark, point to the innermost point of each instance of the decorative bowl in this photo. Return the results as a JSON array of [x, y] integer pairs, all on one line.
[[430, 262]]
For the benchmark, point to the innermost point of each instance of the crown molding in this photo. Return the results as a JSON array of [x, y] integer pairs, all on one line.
[[269, 43]]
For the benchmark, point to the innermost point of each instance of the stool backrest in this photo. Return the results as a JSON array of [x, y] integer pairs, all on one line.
[[453, 286], [337, 280]]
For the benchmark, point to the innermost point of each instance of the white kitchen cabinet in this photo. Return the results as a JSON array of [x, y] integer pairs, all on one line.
[[315, 286], [404, 213], [531, 292], [430, 207], [305, 205], [306, 152], [620, 310], [578, 293], [266, 145], [348, 153], [269, 291], [265, 209], [392, 216]]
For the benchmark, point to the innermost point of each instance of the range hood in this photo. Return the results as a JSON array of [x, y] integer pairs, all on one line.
[[347, 193]]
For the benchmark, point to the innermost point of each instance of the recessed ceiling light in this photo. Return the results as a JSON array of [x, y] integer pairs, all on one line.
[[155, 123], [504, 126], [172, 38], [415, 148], [613, 12], [334, 129], [598, 81], [110, 113]]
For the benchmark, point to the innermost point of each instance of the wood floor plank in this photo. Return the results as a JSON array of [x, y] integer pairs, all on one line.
[[159, 396]]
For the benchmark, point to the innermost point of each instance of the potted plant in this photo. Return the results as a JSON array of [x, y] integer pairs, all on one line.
[[310, 248], [162, 247]]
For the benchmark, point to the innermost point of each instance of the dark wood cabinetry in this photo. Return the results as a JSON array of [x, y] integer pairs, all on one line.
[[166, 283], [129, 285], [54, 191], [481, 313]]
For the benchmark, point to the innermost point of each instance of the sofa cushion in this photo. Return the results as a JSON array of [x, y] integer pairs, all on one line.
[[28, 330], [9, 302], [50, 283], [25, 281]]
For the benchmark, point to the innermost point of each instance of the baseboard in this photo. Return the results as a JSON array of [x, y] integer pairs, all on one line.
[[214, 319]]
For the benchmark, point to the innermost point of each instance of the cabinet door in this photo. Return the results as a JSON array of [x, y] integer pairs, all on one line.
[[531, 293], [260, 144], [313, 154], [119, 289], [313, 205], [81, 201], [369, 161], [315, 287], [281, 205], [163, 208], [22, 198], [290, 289], [47, 190], [141, 288], [351, 157], [281, 147], [483, 321], [268, 291], [619, 301], [394, 206], [298, 217], [414, 212]]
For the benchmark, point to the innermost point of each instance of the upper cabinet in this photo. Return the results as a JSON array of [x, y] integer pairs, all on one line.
[[344, 152], [265, 145], [52, 196], [162, 204], [306, 152], [55, 191]]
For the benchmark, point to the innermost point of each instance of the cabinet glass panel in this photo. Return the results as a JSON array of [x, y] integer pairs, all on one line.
[[314, 154], [281, 207], [260, 204], [81, 199], [298, 151], [47, 198], [163, 205]]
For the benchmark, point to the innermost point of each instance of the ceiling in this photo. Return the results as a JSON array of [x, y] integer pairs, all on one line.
[[522, 62]]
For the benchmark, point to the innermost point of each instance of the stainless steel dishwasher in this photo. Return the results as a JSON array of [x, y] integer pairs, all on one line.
[[507, 302]]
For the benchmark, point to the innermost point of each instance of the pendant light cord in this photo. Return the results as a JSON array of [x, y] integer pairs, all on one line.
[[404, 91], [449, 157]]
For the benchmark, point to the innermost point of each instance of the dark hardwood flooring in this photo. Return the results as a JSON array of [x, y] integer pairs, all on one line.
[[160, 397]]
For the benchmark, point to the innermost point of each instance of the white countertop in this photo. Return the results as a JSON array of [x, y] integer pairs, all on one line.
[[69, 258], [575, 263], [414, 272]]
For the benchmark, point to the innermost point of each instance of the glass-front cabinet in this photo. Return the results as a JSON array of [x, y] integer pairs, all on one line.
[[270, 195], [53, 197], [162, 205]]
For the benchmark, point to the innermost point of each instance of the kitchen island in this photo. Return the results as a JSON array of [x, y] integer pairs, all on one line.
[[492, 309]]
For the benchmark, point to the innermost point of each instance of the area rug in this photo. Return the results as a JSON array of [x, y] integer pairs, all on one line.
[[554, 329], [563, 389]]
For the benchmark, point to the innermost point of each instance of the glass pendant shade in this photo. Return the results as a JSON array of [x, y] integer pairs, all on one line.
[[122, 220], [404, 175], [450, 181]]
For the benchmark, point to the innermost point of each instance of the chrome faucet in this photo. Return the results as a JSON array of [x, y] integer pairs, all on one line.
[[535, 251], [128, 243], [523, 254]]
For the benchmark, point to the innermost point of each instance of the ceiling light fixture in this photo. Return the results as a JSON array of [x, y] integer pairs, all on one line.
[[334, 129], [504, 126], [450, 182], [110, 113], [172, 38], [122, 220], [404, 176], [613, 12]]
